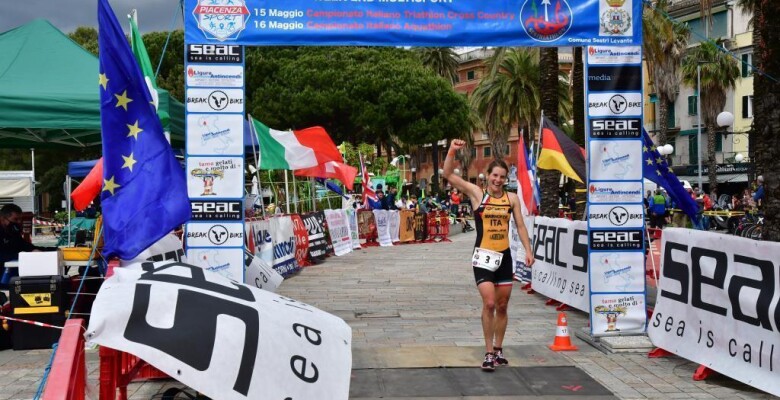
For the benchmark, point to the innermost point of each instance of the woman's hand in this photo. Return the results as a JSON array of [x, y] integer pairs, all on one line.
[[529, 259], [457, 144]]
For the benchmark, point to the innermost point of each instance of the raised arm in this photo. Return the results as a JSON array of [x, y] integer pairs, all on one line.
[[470, 189]]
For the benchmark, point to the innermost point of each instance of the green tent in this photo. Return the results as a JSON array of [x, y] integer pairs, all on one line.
[[49, 94]]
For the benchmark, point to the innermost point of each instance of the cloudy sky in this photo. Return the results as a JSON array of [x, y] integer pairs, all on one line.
[[67, 15]]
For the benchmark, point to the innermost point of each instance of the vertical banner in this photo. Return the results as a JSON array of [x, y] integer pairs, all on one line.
[[284, 245], [394, 222], [214, 85], [318, 243], [383, 227], [301, 241], [354, 233], [406, 226], [616, 225], [338, 228]]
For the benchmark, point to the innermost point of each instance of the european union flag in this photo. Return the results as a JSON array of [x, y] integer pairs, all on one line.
[[657, 170], [144, 192]]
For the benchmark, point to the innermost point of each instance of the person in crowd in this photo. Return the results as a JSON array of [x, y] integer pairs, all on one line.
[[736, 203], [646, 200], [455, 201], [714, 196], [415, 205], [402, 203], [390, 198], [573, 205], [758, 196], [658, 206], [376, 204], [492, 261], [11, 241]]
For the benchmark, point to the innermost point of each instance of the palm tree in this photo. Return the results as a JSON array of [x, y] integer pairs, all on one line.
[[578, 97], [509, 96], [444, 62], [664, 48], [766, 103], [718, 75], [549, 72]]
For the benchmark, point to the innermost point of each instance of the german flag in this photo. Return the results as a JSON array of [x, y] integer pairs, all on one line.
[[561, 153]]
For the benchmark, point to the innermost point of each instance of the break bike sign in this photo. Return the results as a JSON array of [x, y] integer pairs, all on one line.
[[414, 22]]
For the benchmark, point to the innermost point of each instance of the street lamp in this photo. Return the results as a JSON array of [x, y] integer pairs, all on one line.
[[739, 157]]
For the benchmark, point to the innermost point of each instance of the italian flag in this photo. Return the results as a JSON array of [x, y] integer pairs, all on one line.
[[294, 150]]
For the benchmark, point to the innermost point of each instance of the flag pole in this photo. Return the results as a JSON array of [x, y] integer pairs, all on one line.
[[311, 189], [295, 194], [286, 192], [255, 148]]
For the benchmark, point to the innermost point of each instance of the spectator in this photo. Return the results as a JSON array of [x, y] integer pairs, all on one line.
[[377, 205], [758, 196], [454, 201], [11, 241], [658, 206]]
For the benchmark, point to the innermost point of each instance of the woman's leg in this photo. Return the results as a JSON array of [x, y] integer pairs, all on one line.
[[502, 301], [488, 292]]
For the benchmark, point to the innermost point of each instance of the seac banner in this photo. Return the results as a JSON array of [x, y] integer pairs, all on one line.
[[717, 305], [224, 339], [560, 271], [414, 23]]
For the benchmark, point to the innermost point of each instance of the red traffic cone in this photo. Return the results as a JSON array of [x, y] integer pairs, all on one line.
[[562, 340]]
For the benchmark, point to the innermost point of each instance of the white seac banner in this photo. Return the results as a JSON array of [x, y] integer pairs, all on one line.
[[718, 305], [560, 271], [338, 228], [522, 272], [260, 274], [224, 339], [383, 227]]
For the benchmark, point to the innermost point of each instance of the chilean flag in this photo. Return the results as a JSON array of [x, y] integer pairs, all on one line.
[[525, 178]]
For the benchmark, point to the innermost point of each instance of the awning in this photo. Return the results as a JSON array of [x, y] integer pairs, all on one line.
[[722, 178]]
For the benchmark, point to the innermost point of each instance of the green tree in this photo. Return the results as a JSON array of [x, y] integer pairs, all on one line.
[[86, 37], [664, 44], [718, 75]]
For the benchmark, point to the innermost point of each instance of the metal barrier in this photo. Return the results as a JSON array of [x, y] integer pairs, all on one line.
[[118, 369], [438, 226], [68, 377]]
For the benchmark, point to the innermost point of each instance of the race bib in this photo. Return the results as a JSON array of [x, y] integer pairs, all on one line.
[[487, 259]]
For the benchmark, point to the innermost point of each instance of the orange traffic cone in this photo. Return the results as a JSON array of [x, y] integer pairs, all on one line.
[[562, 340]]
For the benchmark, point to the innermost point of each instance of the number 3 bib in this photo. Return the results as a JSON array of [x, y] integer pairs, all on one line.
[[487, 259]]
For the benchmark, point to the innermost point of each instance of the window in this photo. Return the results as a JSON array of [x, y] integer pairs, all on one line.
[[747, 106], [671, 118], [485, 135], [486, 151], [747, 62], [693, 107], [470, 75]]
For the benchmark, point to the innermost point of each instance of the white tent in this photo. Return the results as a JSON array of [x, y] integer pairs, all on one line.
[[18, 187]]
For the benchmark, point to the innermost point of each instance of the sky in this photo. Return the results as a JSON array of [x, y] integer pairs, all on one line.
[[67, 15]]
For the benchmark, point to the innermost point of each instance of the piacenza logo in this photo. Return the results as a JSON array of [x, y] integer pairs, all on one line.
[[545, 22]]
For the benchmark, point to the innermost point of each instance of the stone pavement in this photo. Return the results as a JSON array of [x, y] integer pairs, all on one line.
[[416, 306]]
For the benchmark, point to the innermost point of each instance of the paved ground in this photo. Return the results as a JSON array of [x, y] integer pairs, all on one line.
[[415, 307]]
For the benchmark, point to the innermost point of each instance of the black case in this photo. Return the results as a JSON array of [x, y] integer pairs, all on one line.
[[41, 299]]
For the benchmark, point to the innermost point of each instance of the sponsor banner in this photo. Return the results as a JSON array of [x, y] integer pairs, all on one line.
[[264, 243], [717, 304], [616, 78], [215, 75], [338, 229], [228, 263], [406, 226], [353, 228], [615, 104], [615, 55], [167, 248], [414, 23], [615, 160], [301, 240], [284, 245], [618, 313], [222, 234], [366, 226], [215, 177], [616, 239], [615, 17], [614, 128], [560, 271], [215, 54], [383, 227], [215, 100], [318, 241], [617, 271], [522, 271], [216, 336], [260, 274], [615, 192], [215, 134], [616, 216], [217, 210], [394, 225]]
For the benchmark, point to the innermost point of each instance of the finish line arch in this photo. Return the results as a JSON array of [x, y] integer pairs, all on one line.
[[216, 31]]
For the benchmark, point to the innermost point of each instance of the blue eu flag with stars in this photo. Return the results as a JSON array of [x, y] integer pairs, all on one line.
[[144, 192], [657, 170]]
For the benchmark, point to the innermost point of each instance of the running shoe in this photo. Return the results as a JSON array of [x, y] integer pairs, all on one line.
[[498, 356], [489, 365]]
